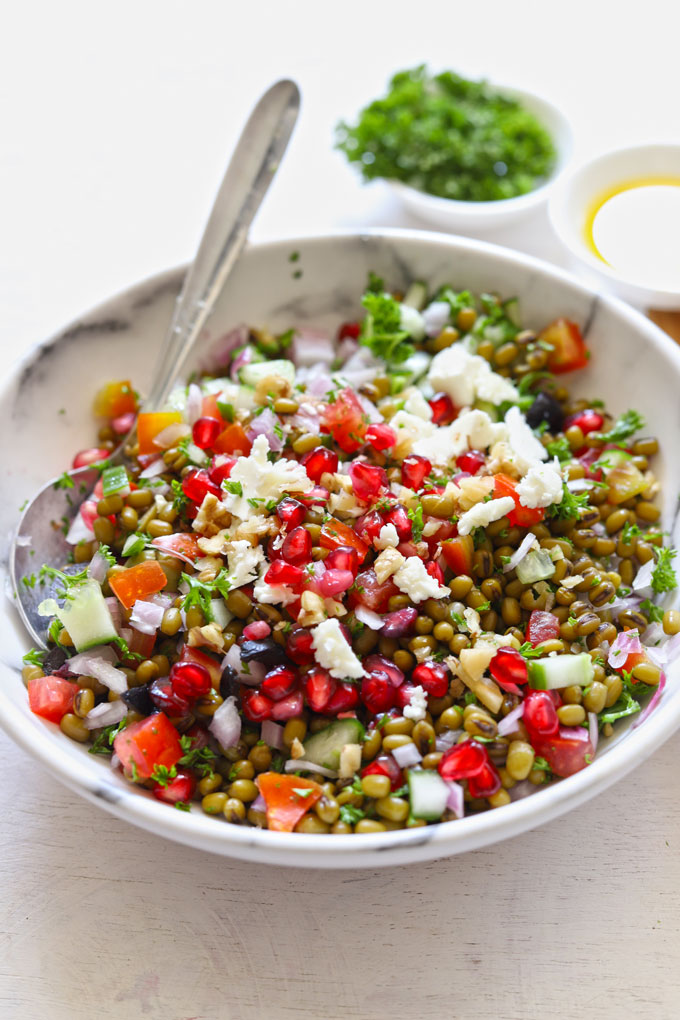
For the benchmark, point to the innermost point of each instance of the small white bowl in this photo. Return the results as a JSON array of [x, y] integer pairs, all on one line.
[[572, 203], [484, 217]]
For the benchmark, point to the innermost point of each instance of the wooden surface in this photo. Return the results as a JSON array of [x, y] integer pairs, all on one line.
[[114, 136]]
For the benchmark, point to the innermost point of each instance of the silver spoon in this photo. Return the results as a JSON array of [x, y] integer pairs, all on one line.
[[246, 181]]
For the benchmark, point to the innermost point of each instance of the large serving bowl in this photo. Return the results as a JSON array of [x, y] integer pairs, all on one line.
[[45, 417]]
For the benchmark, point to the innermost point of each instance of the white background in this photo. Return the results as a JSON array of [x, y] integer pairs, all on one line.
[[116, 122]]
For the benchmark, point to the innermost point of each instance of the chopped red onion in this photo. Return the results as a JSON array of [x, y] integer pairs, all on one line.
[[575, 732], [79, 531], [372, 620], [407, 754], [369, 409], [107, 714], [346, 348], [618, 605], [435, 317], [164, 599], [115, 610], [225, 725], [299, 764], [221, 350], [447, 740], [653, 702], [520, 552], [146, 617], [171, 434], [456, 799], [98, 663], [643, 579], [626, 643], [255, 670], [666, 653], [272, 734], [194, 407], [266, 424], [98, 568], [157, 467], [507, 723], [309, 347], [259, 804], [593, 729], [318, 382], [242, 359], [580, 484]]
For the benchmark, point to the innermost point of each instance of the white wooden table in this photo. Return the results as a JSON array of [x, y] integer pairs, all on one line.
[[115, 130]]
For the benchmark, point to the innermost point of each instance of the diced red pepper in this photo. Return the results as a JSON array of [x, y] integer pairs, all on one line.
[[150, 424], [521, 516], [138, 582], [181, 545], [458, 553], [143, 745], [569, 351], [233, 440], [51, 697], [286, 799]]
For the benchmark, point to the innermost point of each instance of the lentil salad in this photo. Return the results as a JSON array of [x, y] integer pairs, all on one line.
[[363, 583]]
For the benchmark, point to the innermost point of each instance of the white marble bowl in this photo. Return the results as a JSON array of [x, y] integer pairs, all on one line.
[[45, 416]]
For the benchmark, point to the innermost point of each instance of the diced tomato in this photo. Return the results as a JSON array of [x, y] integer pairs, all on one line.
[[521, 516], [334, 534], [141, 644], [632, 659], [286, 799], [51, 697], [233, 440], [181, 545], [203, 659], [137, 582], [344, 419], [458, 553], [368, 591], [385, 765], [542, 626], [567, 751], [149, 424], [569, 350], [114, 399], [349, 330], [209, 408], [143, 745]]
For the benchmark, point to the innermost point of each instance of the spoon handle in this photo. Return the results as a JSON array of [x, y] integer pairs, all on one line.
[[250, 172]]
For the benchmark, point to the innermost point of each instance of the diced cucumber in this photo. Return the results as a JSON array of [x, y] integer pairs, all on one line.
[[252, 373], [324, 748], [428, 794], [537, 565], [115, 479], [488, 408], [416, 296], [558, 671], [86, 617]]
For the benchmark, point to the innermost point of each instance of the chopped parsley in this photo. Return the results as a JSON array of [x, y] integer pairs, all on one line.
[[416, 517], [381, 329], [663, 575], [163, 775], [201, 593], [559, 448], [34, 657], [529, 652], [624, 427], [350, 815], [571, 506], [69, 581], [180, 501], [235, 488], [64, 481], [200, 758], [629, 532], [653, 612]]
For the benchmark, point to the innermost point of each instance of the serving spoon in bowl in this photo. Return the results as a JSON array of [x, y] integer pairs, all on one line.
[[247, 179]]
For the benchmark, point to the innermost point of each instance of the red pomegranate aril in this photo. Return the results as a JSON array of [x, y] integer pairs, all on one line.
[[380, 664], [205, 431], [196, 484], [123, 423], [221, 469], [198, 737], [334, 582], [399, 622], [346, 698], [190, 680], [378, 693], [443, 409], [385, 765], [368, 527], [540, 715], [435, 571], [319, 461], [368, 480], [381, 437], [166, 699], [414, 471], [509, 668], [297, 547], [471, 461], [279, 682], [370, 592], [349, 330], [343, 558], [398, 516], [542, 626], [91, 456], [281, 572], [404, 694], [486, 782], [291, 512], [288, 707], [257, 630], [181, 788], [433, 677], [299, 646], [88, 512], [256, 707], [587, 421], [318, 496], [319, 687], [463, 760]]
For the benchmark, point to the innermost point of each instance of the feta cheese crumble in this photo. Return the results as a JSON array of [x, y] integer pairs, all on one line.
[[466, 377], [412, 321], [541, 486], [244, 562], [413, 579], [417, 706], [262, 481], [388, 537], [272, 594], [333, 653], [527, 449], [483, 514]]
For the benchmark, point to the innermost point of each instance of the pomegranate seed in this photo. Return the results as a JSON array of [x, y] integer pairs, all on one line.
[[377, 693], [290, 512], [586, 421], [198, 737], [257, 630], [190, 680], [319, 687], [166, 699], [281, 572], [434, 570], [404, 694], [318, 496], [334, 582], [297, 547], [433, 677], [381, 437], [463, 760], [399, 622], [318, 461], [88, 512], [343, 557], [369, 592], [486, 782], [299, 646], [540, 716], [368, 527], [443, 410], [349, 330], [288, 707], [471, 461], [196, 484], [182, 787], [509, 668], [367, 480], [385, 765], [86, 457], [399, 517], [256, 707], [221, 469], [346, 698], [123, 423], [379, 664], [279, 682], [205, 431], [414, 471]]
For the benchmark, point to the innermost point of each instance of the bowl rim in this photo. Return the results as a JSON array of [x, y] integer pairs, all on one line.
[[379, 849], [557, 212]]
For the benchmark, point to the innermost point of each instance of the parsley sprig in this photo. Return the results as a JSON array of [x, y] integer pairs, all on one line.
[[624, 427]]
